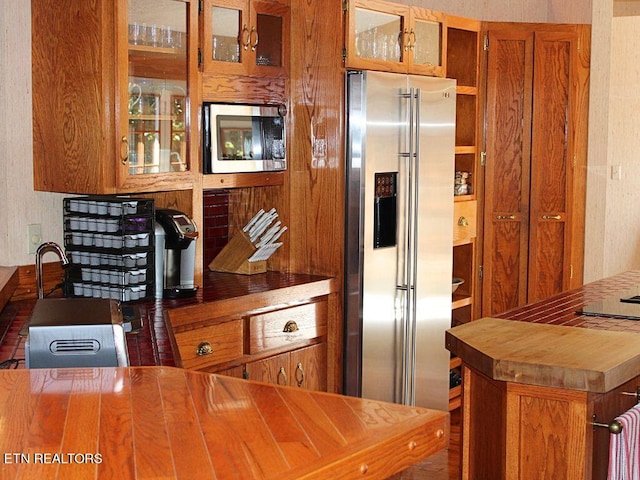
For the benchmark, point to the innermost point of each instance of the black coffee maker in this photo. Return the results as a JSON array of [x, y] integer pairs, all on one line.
[[176, 236]]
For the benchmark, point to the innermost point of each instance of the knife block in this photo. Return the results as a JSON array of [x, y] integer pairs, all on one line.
[[233, 258]]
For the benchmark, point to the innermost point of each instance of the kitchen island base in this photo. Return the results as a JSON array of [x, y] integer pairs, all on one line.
[[530, 400]]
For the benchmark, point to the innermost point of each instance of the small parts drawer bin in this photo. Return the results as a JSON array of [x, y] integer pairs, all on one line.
[[208, 346], [286, 327], [111, 243]]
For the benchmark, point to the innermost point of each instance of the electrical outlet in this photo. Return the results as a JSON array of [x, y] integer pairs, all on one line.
[[34, 237]]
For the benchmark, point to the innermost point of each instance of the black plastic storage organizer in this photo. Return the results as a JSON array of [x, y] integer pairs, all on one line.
[[111, 244]]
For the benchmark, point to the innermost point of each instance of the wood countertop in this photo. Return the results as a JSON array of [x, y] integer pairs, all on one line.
[[163, 422], [547, 355]]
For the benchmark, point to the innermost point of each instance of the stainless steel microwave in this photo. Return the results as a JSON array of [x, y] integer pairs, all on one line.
[[243, 138]]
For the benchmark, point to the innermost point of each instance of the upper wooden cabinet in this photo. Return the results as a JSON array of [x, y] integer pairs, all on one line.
[[246, 37], [396, 38], [112, 87]]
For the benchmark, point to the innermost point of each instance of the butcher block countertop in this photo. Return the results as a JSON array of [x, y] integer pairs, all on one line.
[[547, 355], [164, 422]]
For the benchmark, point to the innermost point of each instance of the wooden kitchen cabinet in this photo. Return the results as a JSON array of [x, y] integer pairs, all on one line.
[[284, 345], [535, 174], [395, 38], [113, 82], [302, 368], [246, 37]]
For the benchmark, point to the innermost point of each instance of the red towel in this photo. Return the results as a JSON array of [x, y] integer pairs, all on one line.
[[624, 448]]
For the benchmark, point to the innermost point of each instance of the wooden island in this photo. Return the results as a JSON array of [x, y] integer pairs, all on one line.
[[537, 381], [165, 422]]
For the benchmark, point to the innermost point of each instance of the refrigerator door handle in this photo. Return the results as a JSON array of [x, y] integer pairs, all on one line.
[[409, 322]]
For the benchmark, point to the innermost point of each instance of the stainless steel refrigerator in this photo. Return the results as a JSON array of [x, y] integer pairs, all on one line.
[[399, 229]]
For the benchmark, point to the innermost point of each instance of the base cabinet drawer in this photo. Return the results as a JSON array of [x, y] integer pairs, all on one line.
[[208, 346], [464, 220], [286, 327]]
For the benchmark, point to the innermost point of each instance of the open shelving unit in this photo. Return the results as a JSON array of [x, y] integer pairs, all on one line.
[[463, 53]]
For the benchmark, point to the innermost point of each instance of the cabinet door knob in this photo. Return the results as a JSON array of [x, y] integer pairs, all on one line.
[[204, 348], [463, 222], [299, 374], [290, 326]]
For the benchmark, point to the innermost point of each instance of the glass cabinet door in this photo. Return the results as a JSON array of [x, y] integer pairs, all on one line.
[[157, 86], [393, 37], [378, 35], [270, 39], [245, 37], [426, 42], [229, 29]]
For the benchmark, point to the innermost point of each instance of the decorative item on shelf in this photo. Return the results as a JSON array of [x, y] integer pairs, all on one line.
[[248, 251], [462, 184]]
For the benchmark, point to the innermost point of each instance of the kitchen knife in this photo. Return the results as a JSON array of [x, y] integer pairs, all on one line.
[[262, 224], [277, 235], [270, 233], [253, 220], [253, 231]]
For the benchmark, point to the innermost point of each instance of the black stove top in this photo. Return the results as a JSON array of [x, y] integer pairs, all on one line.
[[625, 305]]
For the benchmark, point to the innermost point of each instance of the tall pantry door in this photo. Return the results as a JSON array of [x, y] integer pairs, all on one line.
[[535, 172]]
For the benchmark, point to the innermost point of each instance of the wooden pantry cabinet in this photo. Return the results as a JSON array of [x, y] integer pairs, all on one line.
[[285, 345], [535, 174], [113, 87]]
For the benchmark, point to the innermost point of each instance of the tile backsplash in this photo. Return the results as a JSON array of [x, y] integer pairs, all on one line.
[[216, 223]]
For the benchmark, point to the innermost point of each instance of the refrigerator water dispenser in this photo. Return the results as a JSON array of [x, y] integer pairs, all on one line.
[[385, 216]]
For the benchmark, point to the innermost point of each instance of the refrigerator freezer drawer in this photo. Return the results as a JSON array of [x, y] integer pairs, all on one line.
[[464, 220], [284, 328]]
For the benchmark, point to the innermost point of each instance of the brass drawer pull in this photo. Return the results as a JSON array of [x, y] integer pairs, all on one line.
[[300, 377], [204, 348], [245, 37], [124, 150], [463, 222], [551, 217], [253, 36], [506, 217], [282, 374], [290, 326]]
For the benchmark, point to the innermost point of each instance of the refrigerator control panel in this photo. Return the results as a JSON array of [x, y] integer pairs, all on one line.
[[385, 210]]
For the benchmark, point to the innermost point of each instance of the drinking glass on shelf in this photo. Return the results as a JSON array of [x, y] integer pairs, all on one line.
[[153, 36], [168, 37], [136, 33]]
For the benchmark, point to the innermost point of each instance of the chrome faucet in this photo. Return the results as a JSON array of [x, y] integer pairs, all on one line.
[[40, 251]]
